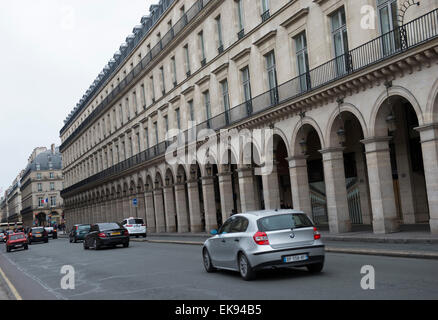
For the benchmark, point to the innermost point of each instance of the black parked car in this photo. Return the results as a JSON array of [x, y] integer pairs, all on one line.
[[37, 234], [106, 234], [78, 232]]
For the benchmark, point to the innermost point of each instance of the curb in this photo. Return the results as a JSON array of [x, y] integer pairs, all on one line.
[[372, 252]]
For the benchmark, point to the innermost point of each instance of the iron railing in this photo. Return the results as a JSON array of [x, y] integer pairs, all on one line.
[[143, 64], [418, 31]]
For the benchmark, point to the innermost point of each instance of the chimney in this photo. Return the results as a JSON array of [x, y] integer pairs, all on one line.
[[53, 148]]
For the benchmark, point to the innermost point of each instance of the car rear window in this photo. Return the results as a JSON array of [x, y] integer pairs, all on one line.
[[109, 226], [135, 221], [284, 221], [38, 230], [84, 228], [17, 236]]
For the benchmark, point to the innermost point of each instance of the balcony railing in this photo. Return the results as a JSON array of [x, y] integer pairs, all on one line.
[[191, 14], [415, 33]]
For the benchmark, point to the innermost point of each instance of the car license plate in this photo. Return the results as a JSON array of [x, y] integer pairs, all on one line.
[[296, 258], [115, 233], [38, 235]]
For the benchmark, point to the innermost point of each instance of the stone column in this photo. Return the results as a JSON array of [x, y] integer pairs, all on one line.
[[195, 207], [363, 188], [429, 145], [150, 211], [246, 185], [114, 209], [169, 206], [226, 191], [271, 188], [119, 215], [159, 210], [336, 190], [382, 196], [209, 203], [181, 207], [300, 184]]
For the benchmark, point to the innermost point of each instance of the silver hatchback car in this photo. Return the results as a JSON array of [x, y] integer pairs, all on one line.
[[268, 239]]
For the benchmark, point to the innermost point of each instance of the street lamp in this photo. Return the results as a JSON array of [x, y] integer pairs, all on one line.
[[303, 145]]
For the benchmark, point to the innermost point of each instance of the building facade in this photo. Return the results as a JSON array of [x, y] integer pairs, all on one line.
[[41, 184], [11, 202], [347, 91]]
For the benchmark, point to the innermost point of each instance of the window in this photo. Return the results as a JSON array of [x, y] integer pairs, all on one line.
[[387, 23], [302, 60], [340, 40], [146, 133], [246, 84], [163, 83], [191, 111], [38, 176], [272, 77], [121, 113], [53, 201], [128, 111], [265, 10], [134, 96], [52, 186], [226, 100], [239, 4], [40, 202], [202, 48], [284, 222], [143, 95], [38, 166], [219, 34], [131, 147], [166, 123], [174, 79], [239, 225], [40, 187], [138, 143], [178, 118], [207, 106], [156, 132], [186, 50], [152, 88]]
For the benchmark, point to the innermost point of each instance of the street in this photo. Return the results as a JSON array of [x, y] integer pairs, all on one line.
[[173, 271]]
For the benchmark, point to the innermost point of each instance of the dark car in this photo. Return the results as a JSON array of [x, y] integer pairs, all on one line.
[[106, 234], [38, 234], [15, 241], [78, 232], [52, 232], [2, 235]]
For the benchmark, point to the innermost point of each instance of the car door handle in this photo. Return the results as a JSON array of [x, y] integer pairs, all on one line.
[[236, 240]]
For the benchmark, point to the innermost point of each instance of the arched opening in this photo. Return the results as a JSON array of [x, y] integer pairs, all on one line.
[[398, 119], [280, 157], [252, 185], [182, 200], [198, 212], [347, 132], [160, 215], [170, 204], [41, 219], [308, 145]]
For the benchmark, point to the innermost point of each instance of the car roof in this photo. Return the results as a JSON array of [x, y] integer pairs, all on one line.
[[267, 213]]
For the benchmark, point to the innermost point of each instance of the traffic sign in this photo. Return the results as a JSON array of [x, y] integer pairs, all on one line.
[[134, 202]]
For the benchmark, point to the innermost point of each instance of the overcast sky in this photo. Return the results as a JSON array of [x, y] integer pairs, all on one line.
[[51, 51]]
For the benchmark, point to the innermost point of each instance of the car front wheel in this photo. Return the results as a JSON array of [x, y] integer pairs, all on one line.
[[207, 261], [245, 269]]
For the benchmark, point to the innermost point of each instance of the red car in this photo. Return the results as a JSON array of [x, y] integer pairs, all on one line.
[[15, 241]]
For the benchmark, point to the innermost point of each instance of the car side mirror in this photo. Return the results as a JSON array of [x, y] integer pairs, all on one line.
[[213, 232]]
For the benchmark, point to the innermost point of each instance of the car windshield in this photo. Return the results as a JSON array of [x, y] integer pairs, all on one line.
[[17, 236], [284, 221], [84, 228], [135, 221], [38, 230], [108, 226]]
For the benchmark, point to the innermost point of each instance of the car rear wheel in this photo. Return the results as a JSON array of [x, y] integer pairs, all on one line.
[[245, 269], [126, 245], [85, 246], [70, 239], [315, 268], [26, 247], [8, 249], [208, 265]]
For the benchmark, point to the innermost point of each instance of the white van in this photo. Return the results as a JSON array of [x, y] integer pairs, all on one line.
[[135, 227]]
